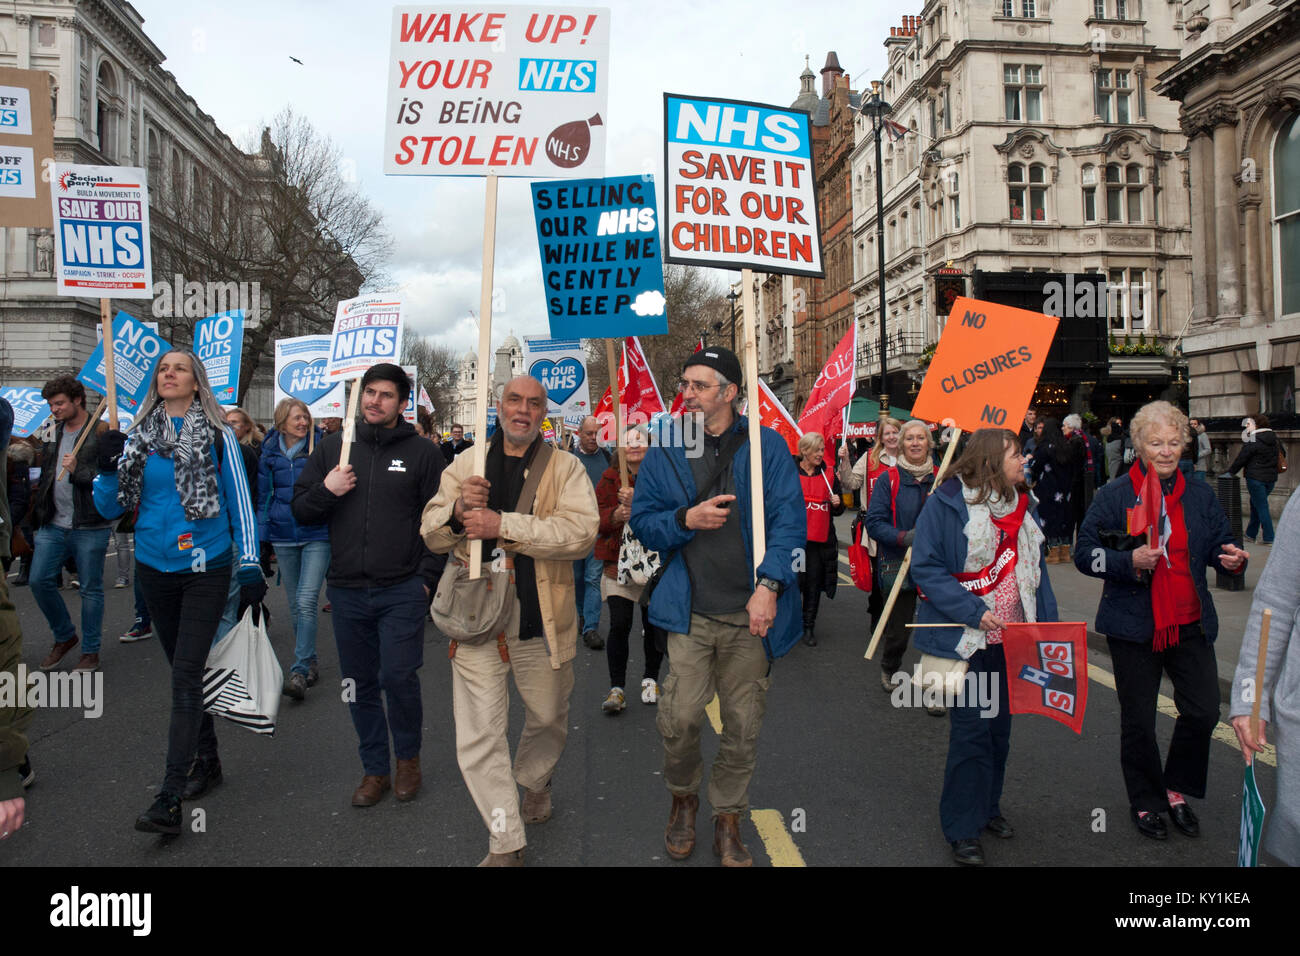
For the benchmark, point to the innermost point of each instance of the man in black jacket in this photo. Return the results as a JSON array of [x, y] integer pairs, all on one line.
[[381, 574], [458, 444], [1259, 455]]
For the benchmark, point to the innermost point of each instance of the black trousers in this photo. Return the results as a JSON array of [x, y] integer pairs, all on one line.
[[811, 580], [894, 640], [1192, 669], [616, 645], [186, 610]]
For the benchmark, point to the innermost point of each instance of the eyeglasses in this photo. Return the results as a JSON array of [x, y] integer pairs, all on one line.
[[684, 386]]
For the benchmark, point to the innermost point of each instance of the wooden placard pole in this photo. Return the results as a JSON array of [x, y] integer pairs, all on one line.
[[907, 558], [1259, 673], [479, 451], [86, 429], [757, 512], [350, 423], [106, 319], [610, 356]]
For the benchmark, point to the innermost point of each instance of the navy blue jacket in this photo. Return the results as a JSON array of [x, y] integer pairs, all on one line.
[[1125, 609], [881, 526], [666, 483], [938, 553], [276, 475]]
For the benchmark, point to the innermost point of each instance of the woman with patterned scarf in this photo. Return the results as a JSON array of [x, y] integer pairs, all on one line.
[[181, 466], [978, 563], [1150, 538]]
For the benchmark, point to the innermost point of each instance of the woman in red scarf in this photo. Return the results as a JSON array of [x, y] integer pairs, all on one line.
[[1151, 535], [822, 502]]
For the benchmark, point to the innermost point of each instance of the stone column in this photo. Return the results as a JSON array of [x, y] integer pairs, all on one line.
[[1254, 314], [23, 22], [1223, 119], [1201, 213]]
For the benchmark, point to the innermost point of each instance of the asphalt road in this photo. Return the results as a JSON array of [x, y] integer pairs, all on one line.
[[855, 781]]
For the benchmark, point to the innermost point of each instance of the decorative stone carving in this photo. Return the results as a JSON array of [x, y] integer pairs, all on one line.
[[1021, 30], [1116, 32], [1027, 150], [23, 19], [1221, 114], [1123, 152], [45, 252], [1128, 240], [1029, 238], [1090, 239]]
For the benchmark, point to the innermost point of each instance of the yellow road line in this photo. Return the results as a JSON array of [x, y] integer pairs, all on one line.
[[1165, 705], [776, 839], [715, 716]]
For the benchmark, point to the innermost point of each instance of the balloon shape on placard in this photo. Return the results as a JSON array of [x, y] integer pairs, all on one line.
[[569, 145]]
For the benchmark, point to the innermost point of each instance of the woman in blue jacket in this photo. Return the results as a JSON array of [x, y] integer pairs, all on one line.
[[301, 551], [1158, 616], [181, 466], [978, 564], [896, 501]]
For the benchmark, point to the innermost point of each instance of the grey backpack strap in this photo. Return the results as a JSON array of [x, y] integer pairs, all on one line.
[[536, 468]]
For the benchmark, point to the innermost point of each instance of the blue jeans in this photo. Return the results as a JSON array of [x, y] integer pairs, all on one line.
[[380, 635], [1259, 509], [977, 755], [303, 568], [52, 545], [586, 584]]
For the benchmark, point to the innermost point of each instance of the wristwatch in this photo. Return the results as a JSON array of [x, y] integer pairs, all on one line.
[[772, 585]]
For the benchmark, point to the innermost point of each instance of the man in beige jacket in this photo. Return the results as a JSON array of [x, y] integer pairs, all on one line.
[[541, 636]]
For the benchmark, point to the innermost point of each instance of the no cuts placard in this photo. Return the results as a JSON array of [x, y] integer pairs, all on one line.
[[135, 352], [101, 231], [30, 409], [367, 331], [740, 187], [219, 344], [510, 90]]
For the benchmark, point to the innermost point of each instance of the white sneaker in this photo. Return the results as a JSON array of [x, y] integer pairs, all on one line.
[[649, 691], [122, 583], [614, 701]]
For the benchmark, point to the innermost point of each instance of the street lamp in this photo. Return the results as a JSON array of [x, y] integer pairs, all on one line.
[[876, 108], [732, 296]]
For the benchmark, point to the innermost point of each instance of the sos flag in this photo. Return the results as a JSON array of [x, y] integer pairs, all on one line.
[[1047, 670], [830, 395]]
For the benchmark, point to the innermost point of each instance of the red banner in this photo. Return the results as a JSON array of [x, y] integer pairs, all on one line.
[[830, 395], [679, 402], [773, 414], [1047, 670], [636, 387]]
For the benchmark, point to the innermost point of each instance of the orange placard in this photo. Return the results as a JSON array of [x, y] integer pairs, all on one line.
[[986, 366]]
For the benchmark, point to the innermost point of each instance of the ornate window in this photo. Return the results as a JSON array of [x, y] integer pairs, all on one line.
[[1127, 298], [1286, 215], [1124, 193], [1022, 87], [1114, 89], [1027, 191], [106, 111]]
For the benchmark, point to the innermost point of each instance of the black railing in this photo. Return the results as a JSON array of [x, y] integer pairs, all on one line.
[[900, 343]]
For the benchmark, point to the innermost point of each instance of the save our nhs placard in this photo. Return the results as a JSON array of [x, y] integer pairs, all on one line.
[[219, 343], [367, 331], [300, 372], [135, 352], [30, 409], [599, 240], [740, 187], [561, 366], [101, 231]]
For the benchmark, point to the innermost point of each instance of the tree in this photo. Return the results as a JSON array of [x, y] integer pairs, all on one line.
[[437, 374]]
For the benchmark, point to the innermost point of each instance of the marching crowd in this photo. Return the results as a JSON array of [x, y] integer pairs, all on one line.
[[207, 501]]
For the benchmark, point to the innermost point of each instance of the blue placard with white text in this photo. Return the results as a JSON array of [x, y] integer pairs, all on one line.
[[135, 352], [601, 266], [30, 409], [219, 342]]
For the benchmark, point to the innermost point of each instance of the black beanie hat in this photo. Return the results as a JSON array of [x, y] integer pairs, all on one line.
[[719, 359], [388, 372]]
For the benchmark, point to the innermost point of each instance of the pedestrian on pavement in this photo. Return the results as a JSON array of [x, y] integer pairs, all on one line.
[[1278, 590], [1204, 451], [1116, 440], [1157, 615], [727, 621], [67, 524], [1027, 429], [1052, 473], [1259, 456], [457, 444], [588, 569], [621, 590], [861, 477], [302, 552], [1081, 488], [380, 573], [540, 639], [978, 561], [822, 502], [891, 522], [180, 468]]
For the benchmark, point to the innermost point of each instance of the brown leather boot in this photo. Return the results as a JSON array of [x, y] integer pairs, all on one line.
[[407, 784], [679, 838], [726, 841], [504, 859], [536, 806], [371, 791]]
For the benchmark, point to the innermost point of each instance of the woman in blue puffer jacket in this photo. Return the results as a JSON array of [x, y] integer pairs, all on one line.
[[301, 551]]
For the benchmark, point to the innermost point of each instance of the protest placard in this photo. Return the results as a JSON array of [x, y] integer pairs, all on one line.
[[135, 352], [601, 266], [101, 231], [408, 412], [367, 331], [561, 366], [986, 366], [510, 90], [219, 344], [30, 409], [300, 365], [740, 187], [26, 148]]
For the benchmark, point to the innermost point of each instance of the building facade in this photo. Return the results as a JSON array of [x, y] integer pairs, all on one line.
[[508, 363]]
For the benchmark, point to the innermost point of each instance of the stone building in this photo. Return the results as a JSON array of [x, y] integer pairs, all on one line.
[[1034, 142], [508, 362]]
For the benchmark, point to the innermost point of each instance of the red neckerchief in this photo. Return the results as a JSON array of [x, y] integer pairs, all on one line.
[[987, 578], [1164, 608]]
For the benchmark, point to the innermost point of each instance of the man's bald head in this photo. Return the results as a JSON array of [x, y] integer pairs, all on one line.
[[587, 433], [520, 412]]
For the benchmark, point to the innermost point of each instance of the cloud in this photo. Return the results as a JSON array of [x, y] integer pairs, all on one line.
[[649, 303]]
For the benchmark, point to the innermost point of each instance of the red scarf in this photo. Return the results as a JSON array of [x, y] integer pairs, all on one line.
[[986, 580], [1165, 519]]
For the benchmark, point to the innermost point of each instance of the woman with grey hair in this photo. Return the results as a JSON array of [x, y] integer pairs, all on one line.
[[1158, 616], [822, 502]]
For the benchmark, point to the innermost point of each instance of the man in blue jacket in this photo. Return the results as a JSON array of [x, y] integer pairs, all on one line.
[[724, 627]]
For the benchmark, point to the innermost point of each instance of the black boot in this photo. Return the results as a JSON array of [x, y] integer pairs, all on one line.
[[809, 637], [204, 775], [163, 817]]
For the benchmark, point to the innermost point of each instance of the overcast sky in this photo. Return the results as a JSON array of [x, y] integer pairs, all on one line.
[[233, 58]]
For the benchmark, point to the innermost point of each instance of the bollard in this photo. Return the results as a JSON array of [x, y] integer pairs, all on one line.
[[1229, 492]]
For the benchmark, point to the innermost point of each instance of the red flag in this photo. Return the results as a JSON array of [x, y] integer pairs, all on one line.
[[1147, 517], [832, 391], [1047, 670], [637, 390], [679, 401], [773, 414]]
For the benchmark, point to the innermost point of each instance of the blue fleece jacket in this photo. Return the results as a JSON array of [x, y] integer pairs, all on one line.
[[276, 474]]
